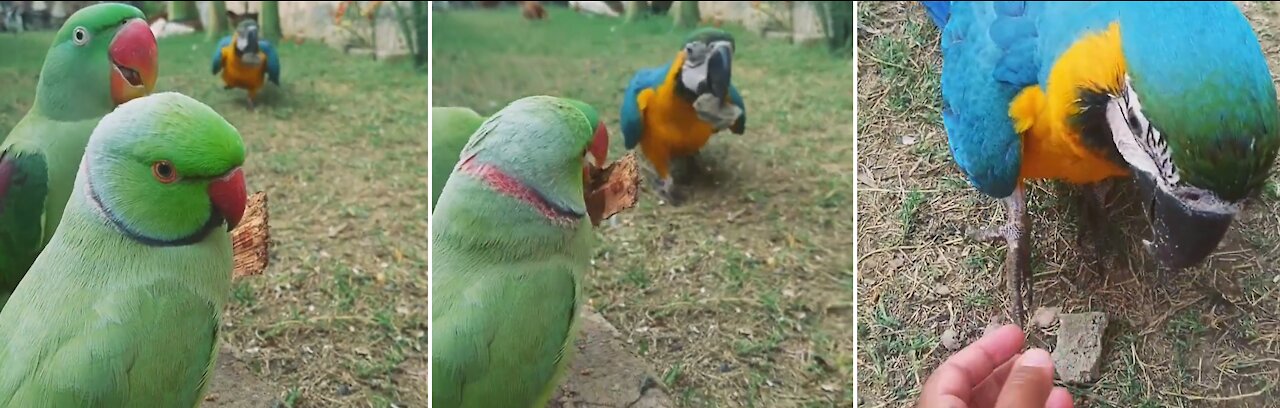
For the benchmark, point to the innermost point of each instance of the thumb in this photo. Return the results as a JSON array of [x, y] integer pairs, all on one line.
[[1030, 381]]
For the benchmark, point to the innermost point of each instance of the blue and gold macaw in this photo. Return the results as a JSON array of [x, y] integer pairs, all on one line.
[[1176, 95], [663, 110], [245, 61]]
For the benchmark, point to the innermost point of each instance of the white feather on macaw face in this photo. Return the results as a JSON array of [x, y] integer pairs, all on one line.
[[1150, 154], [694, 71]]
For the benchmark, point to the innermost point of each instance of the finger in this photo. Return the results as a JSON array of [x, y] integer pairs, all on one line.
[[1059, 398], [1029, 382], [958, 375], [987, 391], [943, 401]]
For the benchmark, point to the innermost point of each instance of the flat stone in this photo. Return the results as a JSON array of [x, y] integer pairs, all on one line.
[[1078, 355], [950, 339], [604, 372], [1045, 316]]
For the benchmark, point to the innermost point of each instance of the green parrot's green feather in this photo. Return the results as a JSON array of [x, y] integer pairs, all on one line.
[[506, 272], [104, 318], [450, 129], [73, 93]]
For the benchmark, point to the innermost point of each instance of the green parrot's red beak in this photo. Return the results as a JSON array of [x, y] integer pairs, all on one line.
[[134, 65], [600, 145], [228, 196]]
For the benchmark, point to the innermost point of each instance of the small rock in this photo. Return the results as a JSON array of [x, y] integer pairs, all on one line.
[[942, 290], [950, 339], [1045, 316], [1078, 355], [344, 390]]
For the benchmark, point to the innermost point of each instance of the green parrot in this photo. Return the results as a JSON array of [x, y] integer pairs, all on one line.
[[104, 55], [122, 308], [451, 127], [511, 240]]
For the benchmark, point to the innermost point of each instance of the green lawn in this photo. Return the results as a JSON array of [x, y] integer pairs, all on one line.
[[742, 296], [339, 319]]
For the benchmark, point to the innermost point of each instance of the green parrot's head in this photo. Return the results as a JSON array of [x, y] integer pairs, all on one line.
[[538, 150], [103, 56], [165, 170], [1196, 121], [708, 63]]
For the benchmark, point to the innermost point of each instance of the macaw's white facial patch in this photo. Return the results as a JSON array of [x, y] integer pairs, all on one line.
[[694, 71], [1145, 149]]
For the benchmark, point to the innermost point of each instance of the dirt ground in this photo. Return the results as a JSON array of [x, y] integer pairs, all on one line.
[[742, 295], [1207, 337]]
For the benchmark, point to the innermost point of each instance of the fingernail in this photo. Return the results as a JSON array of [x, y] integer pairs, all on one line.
[[1036, 358]]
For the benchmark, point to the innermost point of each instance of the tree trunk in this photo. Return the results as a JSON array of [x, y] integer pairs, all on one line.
[[216, 27], [420, 24], [686, 14], [184, 12], [636, 11], [269, 21]]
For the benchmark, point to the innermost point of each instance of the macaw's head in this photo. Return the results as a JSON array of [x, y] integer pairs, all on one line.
[[538, 151], [165, 170], [103, 56], [708, 63], [246, 34], [1196, 122]]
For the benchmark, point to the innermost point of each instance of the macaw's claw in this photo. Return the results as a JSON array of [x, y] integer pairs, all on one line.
[[667, 192], [1018, 258]]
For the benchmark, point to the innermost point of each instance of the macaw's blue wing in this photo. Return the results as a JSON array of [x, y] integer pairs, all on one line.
[[273, 61], [739, 126], [632, 118], [989, 54], [939, 11], [217, 53]]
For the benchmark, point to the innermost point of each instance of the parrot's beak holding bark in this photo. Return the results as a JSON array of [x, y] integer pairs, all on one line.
[[228, 196], [134, 65]]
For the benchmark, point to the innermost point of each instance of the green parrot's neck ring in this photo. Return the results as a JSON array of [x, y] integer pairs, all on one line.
[[504, 184], [1146, 151], [215, 220]]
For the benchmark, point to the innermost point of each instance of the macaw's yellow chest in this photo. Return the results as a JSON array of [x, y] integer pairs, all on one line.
[[671, 124], [1053, 145], [237, 74]]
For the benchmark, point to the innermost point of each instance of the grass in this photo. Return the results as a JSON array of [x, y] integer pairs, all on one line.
[[741, 295], [1207, 337], [340, 149]]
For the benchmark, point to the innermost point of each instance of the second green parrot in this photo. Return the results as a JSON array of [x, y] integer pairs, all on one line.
[[122, 308], [103, 56], [512, 239]]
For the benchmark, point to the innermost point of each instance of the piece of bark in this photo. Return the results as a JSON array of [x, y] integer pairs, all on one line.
[[613, 189], [251, 240]]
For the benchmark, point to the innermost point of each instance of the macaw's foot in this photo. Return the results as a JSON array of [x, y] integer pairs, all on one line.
[[1093, 238], [667, 191], [1017, 264]]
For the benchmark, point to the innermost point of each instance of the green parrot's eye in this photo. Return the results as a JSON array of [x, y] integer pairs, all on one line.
[[81, 36], [164, 172]]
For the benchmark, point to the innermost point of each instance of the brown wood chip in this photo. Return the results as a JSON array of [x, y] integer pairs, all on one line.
[[251, 240], [613, 189]]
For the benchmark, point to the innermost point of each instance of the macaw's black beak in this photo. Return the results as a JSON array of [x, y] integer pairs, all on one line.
[[1183, 237], [720, 70]]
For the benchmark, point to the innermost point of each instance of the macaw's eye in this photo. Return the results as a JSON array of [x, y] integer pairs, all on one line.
[[164, 172]]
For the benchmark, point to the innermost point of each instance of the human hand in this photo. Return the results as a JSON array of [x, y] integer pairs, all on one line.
[[992, 373]]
